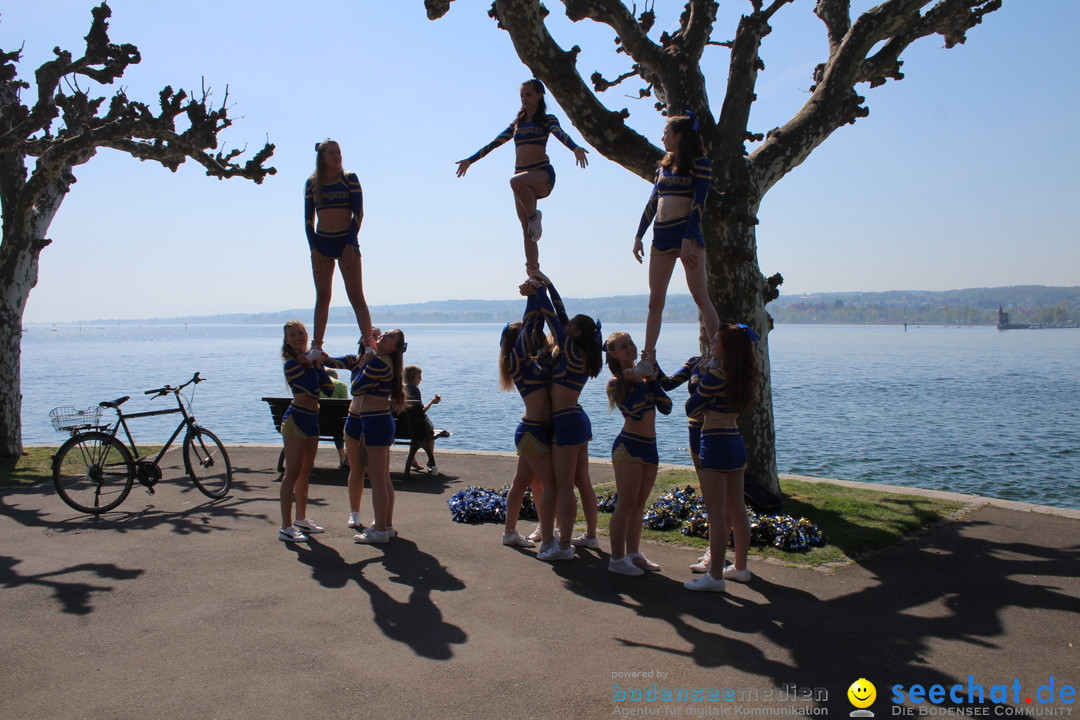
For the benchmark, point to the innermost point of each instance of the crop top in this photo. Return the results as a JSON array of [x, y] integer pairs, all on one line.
[[710, 394], [310, 381], [373, 377], [571, 369], [528, 374], [527, 132], [643, 397], [345, 194], [694, 185]]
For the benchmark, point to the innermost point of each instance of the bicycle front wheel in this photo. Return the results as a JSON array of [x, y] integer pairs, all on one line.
[[207, 463], [93, 472]]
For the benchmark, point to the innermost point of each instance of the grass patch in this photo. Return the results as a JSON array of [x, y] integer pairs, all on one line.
[[33, 467], [855, 521]]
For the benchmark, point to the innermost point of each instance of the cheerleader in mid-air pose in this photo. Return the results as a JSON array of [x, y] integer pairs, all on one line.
[[534, 177]]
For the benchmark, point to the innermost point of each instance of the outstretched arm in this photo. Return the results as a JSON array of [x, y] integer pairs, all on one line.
[[505, 135]]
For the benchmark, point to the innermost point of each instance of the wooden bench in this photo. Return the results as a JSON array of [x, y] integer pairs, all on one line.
[[332, 415]]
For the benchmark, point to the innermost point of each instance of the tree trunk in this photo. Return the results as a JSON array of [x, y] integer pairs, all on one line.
[[18, 275], [739, 292]]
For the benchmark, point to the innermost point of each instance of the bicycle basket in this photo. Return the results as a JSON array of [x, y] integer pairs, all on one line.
[[69, 418]]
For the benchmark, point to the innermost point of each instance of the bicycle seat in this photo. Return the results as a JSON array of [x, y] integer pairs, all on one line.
[[115, 403]]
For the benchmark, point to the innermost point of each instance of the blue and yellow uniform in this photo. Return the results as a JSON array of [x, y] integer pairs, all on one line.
[[372, 377], [641, 399], [689, 373], [300, 421], [722, 448], [571, 425], [345, 194], [669, 234], [532, 436], [530, 132]]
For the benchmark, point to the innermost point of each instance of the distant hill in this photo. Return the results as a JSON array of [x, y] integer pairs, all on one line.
[[1036, 304]]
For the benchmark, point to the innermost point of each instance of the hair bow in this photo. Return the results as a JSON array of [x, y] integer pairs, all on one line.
[[693, 120], [749, 333], [597, 337], [404, 346], [317, 146], [503, 333]]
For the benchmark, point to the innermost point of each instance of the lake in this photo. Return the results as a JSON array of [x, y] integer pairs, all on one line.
[[963, 409]]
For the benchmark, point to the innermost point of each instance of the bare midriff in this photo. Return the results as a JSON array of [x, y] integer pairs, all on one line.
[[717, 419], [538, 406], [563, 397], [334, 220], [673, 207], [529, 154], [305, 401]]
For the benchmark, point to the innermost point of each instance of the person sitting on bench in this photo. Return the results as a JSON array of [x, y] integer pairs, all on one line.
[[418, 418]]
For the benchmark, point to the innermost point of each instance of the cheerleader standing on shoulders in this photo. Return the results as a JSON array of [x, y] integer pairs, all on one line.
[[676, 204], [727, 388], [377, 393], [518, 367], [534, 177], [577, 358], [299, 431], [633, 454], [335, 200]]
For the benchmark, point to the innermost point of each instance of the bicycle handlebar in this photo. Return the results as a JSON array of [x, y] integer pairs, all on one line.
[[158, 392]]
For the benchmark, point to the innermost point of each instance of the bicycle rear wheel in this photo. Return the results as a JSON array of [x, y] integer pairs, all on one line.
[[93, 472], [207, 462]]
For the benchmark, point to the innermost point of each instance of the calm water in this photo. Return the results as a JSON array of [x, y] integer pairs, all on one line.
[[961, 409]]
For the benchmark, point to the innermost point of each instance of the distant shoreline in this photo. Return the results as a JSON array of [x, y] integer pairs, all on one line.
[[1048, 307]]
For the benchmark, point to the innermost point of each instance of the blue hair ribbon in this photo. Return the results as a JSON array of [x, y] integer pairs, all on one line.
[[693, 120], [597, 337], [749, 333], [404, 346]]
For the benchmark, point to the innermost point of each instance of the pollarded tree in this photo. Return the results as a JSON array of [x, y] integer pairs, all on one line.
[[31, 198], [861, 51]]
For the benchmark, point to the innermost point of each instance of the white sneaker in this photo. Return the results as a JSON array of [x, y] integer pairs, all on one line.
[[701, 566], [624, 566], [516, 539], [433, 470], [730, 573], [391, 532], [536, 535], [642, 562], [309, 526], [705, 583], [584, 541], [558, 552], [371, 536], [644, 369], [535, 231], [354, 520], [291, 534], [315, 353]]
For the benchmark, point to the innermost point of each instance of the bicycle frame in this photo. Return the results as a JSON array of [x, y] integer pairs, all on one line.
[[187, 423]]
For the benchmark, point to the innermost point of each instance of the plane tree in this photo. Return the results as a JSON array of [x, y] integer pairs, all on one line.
[[61, 126], [863, 51]]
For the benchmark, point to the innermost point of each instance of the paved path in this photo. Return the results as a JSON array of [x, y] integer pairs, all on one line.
[[182, 608]]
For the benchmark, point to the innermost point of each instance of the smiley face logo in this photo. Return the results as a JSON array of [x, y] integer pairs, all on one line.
[[862, 693]]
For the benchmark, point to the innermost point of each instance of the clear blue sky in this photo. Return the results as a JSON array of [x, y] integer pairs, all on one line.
[[965, 174]]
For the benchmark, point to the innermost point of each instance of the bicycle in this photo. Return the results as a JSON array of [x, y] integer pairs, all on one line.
[[93, 471]]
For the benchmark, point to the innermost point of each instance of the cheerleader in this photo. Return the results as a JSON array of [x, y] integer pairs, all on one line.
[[726, 389], [377, 393], [534, 177], [299, 431], [633, 454], [577, 357], [676, 204]]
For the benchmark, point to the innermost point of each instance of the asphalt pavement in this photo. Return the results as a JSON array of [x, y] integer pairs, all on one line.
[[175, 606]]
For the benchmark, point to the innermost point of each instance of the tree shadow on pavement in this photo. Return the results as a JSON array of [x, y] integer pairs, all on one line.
[[73, 596], [962, 583]]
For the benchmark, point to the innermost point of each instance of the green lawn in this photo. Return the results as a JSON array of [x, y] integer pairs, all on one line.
[[855, 521]]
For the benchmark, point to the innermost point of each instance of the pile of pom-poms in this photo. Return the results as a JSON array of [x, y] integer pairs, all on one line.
[[479, 505], [684, 508]]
